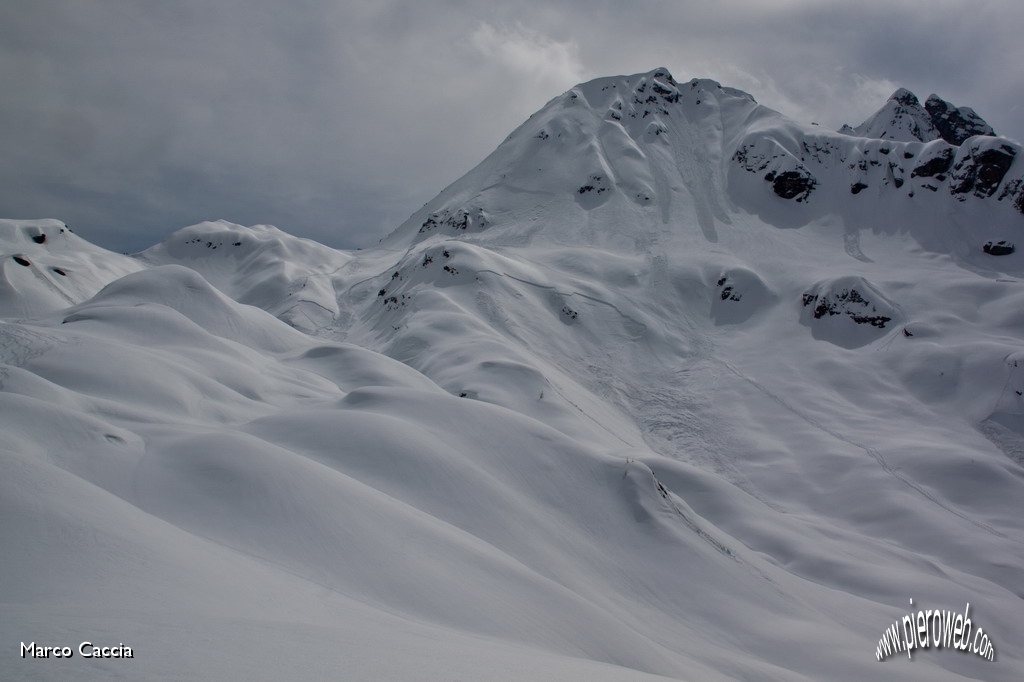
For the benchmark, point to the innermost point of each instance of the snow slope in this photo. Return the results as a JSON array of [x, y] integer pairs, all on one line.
[[669, 385]]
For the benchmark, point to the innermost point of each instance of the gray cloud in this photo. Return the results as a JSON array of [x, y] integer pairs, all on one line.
[[337, 120]]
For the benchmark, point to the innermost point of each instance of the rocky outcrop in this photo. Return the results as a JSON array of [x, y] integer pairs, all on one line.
[[848, 311], [847, 302], [999, 248], [980, 170], [456, 220], [935, 164], [792, 184], [954, 124], [789, 177]]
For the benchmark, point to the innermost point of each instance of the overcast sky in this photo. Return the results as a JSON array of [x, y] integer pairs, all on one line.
[[336, 119]]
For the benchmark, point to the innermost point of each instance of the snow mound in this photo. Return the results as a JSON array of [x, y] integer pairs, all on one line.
[[848, 311], [289, 277], [739, 294], [186, 292]]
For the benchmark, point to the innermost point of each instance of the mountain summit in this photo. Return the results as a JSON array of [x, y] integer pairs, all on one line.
[[668, 386], [687, 152], [904, 119]]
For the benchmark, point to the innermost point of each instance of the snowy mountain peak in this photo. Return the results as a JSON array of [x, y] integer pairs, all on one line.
[[662, 151], [903, 118], [905, 97], [636, 140]]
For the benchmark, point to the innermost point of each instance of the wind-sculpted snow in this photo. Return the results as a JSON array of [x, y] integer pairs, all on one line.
[[44, 266], [262, 266], [615, 405], [180, 439]]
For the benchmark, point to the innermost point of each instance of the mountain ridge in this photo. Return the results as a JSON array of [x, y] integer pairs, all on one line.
[[619, 118], [903, 118]]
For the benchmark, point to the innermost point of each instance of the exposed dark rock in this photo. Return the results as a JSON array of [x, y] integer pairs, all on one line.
[[729, 292], [906, 98], [935, 166], [1000, 248], [39, 238], [847, 302], [792, 184], [981, 171], [60, 272], [664, 74], [856, 187], [595, 184], [955, 125], [459, 220], [22, 261], [751, 161]]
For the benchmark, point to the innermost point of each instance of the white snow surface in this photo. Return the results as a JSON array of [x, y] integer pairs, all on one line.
[[608, 408]]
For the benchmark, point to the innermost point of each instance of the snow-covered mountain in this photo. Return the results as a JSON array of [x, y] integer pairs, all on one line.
[[669, 385], [903, 118]]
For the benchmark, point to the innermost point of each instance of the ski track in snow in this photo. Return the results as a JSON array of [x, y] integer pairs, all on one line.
[[875, 454]]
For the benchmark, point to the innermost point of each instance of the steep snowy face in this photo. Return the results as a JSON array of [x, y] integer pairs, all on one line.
[[642, 141], [902, 118]]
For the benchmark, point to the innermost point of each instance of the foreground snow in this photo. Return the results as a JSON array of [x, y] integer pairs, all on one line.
[[543, 431]]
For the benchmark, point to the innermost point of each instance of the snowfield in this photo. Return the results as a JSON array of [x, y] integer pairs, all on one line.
[[668, 387]]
